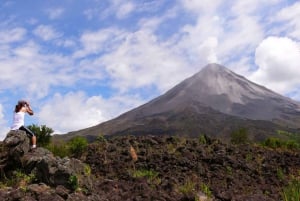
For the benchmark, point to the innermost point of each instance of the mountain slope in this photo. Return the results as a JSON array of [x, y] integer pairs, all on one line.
[[214, 101]]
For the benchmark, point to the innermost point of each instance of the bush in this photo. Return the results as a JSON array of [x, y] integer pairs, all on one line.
[[59, 149], [77, 145], [240, 136], [43, 134]]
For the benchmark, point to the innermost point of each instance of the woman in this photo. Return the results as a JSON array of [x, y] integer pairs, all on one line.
[[18, 120]]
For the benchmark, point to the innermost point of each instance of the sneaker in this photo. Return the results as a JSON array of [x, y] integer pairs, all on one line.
[[32, 149]]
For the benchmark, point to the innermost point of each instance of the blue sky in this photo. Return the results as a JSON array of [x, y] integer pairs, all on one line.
[[80, 63]]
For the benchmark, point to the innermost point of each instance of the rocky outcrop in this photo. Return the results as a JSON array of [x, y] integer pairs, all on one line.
[[46, 168]]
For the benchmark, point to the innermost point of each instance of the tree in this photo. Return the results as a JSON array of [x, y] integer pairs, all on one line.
[[43, 134]]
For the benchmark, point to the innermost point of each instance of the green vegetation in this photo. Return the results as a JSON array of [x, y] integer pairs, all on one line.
[[292, 191], [43, 134], [18, 179], [202, 139], [77, 146], [59, 149], [187, 188], [239, 136], [274, 143], [151, 175], [280, 174], [101, 139], [87, 170], [73, 181], [205, 189]]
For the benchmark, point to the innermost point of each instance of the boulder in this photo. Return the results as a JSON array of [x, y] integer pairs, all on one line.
[[47, 168]]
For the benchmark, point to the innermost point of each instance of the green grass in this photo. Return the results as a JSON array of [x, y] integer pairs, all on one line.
[[292, 191], [187, 188], [151, 175], [274, 143]]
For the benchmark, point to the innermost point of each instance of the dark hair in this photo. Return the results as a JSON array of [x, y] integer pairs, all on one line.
[[21, 103]]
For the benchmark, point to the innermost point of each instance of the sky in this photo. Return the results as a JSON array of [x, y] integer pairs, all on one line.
[[80, 63]]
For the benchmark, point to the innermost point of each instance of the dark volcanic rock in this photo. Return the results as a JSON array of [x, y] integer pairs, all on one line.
[[182, 168], [165, 169]]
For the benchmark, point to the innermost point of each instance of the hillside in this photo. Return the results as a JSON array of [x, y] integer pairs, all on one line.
[[214, 101]]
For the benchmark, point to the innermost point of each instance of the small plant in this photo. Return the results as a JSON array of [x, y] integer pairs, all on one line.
[[280, 174], [188, 187], [100, 138], [205, 189], [202, 139], [73, 181], [229, 170], [151, 175], [87, 170], [292, 191]]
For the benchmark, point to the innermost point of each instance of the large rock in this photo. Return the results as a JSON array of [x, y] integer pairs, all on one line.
[[47, 168], [16, 144]]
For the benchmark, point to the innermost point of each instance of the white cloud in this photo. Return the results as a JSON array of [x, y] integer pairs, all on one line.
[[143, 61], [26, 69], [12, 35], [278, 60], [55, 13], [98, 41], [74, 111], [125, 9], [3, 128], [207, 6], [46, 32], [290, 16]]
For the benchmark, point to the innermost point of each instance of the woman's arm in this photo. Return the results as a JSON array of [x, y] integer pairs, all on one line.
[[28, 109]]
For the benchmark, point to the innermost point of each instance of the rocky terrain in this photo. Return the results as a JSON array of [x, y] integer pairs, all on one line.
[[146, 168]]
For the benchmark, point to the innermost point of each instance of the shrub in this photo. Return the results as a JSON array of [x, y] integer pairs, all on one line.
[[43, 134], [59, 149], [77, 145], [240, 136]]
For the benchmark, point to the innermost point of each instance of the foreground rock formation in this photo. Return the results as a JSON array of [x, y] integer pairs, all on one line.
[[144, 168], [45, 169]]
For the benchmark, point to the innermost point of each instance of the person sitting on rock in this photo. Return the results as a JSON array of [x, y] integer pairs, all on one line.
[[18, 119]]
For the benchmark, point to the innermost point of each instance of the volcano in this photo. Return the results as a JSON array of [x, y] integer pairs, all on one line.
[[215, 101]]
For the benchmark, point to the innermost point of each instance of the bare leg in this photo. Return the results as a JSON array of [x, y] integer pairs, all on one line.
[[34, 140]]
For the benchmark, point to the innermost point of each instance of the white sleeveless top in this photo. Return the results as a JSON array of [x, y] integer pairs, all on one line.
[[18, 120]]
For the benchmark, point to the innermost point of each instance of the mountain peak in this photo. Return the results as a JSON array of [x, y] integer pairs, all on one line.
[[214, 67], [212, 100]]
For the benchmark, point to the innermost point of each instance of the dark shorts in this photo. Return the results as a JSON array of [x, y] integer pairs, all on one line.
[[28, 132]]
